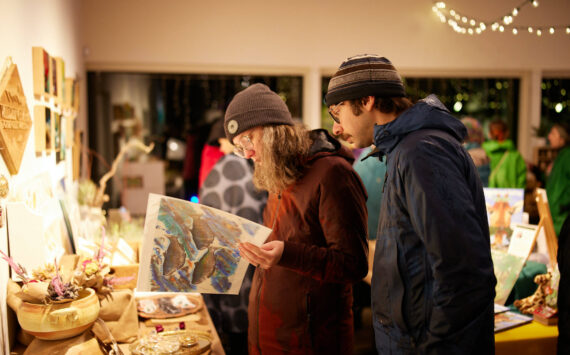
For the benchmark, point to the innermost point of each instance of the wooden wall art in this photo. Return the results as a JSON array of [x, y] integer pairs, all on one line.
[[42, 79], [15, 121], [60, 80], [44, 130]]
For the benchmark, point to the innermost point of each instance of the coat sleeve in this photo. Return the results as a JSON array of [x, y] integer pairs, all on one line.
[[439, 189], [342, 217]]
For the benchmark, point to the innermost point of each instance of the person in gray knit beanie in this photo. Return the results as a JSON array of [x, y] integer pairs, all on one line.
[[255, 106]]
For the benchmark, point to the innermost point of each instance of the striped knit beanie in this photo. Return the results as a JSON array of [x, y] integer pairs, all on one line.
[[364, 75], [255, 106]]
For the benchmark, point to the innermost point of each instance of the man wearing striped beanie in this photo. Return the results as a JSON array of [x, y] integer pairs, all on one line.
[[433, 283]]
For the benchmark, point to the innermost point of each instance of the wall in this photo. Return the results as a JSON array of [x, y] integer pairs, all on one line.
[[54, 26], [312, 38]]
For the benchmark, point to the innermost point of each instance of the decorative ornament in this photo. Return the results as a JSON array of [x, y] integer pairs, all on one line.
[[4, 187], [15, 121]]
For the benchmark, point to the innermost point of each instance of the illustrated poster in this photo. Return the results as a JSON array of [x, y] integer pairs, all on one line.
[[507, 268], [504, 207], [189, 247]]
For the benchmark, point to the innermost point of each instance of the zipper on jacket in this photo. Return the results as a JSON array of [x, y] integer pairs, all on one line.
[[257, 301], [261, 271], [309, 320]]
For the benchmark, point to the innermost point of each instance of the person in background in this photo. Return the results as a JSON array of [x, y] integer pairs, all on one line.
[[229, 187], [301, 296], [211, 152], [508, 168], [558, 180], [433, 283], [473, 146]]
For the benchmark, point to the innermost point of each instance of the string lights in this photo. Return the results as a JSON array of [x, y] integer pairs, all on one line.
[[464, 24]]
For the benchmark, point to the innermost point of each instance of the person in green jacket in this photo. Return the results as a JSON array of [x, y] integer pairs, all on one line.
[[508, 168], [558, 181]]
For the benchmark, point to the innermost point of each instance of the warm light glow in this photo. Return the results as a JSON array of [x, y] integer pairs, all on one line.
[[567, 30], [472, 22], [530, 30], [501, 28], [470, 31], [515, 11], [457, 106], [515, 31], [452, 12], [538, 32], [558, 107], [440, 5], [534, 3], [551, 30]]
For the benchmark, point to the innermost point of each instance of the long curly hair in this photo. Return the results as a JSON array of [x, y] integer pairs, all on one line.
[[285, 152]]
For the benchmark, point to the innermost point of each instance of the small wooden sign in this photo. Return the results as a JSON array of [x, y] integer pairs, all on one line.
[[15, 121]]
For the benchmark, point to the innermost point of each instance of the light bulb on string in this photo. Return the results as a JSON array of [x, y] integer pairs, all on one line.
[[530, 29], [534, 3], [539, 32], [515, 31], [551, 30], [567, 30], [515, 11]]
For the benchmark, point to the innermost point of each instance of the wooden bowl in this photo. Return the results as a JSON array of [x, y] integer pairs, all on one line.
[[60, 320]]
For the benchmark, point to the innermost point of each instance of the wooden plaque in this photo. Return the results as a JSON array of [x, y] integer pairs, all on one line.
[[15, 121]]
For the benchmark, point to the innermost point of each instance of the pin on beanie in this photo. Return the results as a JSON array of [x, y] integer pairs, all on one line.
[[364, 75], [255, 106]]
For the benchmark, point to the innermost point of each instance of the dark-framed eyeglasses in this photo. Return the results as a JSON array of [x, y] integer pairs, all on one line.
[[334, 110]]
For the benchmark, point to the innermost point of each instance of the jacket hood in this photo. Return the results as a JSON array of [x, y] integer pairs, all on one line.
[[325, 145], [428, 113], [493, 146]]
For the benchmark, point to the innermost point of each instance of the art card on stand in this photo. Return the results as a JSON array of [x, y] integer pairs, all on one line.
[[504, 207], [522, 239], [188, 247], [507, 268]]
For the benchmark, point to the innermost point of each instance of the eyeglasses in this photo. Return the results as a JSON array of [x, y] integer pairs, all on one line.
[[245, 144], [334, 110]]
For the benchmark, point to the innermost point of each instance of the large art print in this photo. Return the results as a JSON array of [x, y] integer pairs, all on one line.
[[504, 207], [188, 247]]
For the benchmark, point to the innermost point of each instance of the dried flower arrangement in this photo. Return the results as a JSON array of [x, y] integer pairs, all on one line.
[[50, 284]]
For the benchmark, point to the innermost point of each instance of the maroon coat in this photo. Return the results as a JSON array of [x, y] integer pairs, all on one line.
[[303, 305]]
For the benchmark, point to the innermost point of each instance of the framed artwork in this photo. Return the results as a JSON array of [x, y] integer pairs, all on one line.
[[188, 247], [60, 79], [56, 118], [42, 78], [504, 207], [53, 76]]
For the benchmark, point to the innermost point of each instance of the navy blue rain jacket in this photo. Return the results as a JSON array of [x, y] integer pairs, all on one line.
[[433, 274]]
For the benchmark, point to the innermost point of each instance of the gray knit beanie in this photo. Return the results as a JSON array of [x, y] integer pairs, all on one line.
[[255, 106], [364, 75]]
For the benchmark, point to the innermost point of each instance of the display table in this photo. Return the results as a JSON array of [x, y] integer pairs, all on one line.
[[532, 338], [87, 342]]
